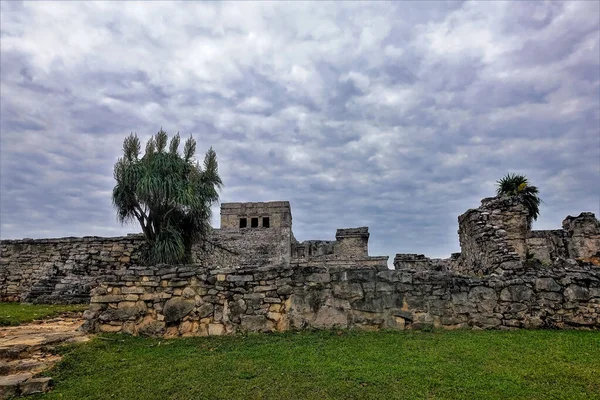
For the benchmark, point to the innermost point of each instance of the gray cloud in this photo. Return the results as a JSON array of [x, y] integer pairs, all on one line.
[[399, 116]]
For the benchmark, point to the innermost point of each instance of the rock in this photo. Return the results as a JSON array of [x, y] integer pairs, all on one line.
[[547, 285], [206, 309], [486, 322], [216, 329], [188, 327], [319, 278], [125, 311], [128, 328], [9, 385], [110, 298], [240, 278], [110, 328], [188, 293], [177, 308], [255, 323], [285, 290], [274, 316], [516, 293], [576, 293], [151, 328], [479, 293], [329, 317], [35, 385]]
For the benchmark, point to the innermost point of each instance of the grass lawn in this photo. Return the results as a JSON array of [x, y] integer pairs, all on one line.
[[335, 365], [15, 313]]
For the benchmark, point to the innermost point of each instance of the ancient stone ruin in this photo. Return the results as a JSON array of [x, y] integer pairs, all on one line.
[[253, 275]]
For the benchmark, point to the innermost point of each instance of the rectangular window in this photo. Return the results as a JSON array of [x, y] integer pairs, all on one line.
[[266, 222], [243, 222], [254, 223]]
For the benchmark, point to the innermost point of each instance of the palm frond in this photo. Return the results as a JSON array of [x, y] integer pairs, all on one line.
[[518, 186]]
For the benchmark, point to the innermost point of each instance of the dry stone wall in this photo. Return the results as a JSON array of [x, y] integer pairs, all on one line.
[[492, 237], [357, 294], [259, 278], [64, 270]]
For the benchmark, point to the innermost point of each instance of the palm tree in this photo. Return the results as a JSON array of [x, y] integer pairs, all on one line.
[[518, 186], [168, 193]]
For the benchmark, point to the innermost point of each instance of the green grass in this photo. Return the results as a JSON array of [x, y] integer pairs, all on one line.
[[331, 365], [15, 313]]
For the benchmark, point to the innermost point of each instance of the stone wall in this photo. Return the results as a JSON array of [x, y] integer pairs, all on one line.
[[357, 294], [62, 270], [579, 239], [492, 237], [348, 243], [420, 262]]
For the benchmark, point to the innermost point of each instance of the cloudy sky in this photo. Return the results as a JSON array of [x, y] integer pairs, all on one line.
[[397, 116]]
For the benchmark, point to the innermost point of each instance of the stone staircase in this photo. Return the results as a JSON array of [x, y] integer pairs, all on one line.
[[27, 350], [55, 288]]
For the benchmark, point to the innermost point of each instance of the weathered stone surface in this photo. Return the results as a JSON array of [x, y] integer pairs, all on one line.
[[348, 290], [516, 293], [216, 329], [35, 385], [576, 293], [177, 308], [151, 328], [547, 284]]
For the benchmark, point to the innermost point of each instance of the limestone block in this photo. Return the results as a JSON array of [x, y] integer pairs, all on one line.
[[216, 329], [188, 293], [205, 310], [347, 290], [516, 293], [35, 385], [256, 323], [177, 308], [329, 317], [547, 285], [151, 327], [108, 298], [576, 293], [285, 290], [109, 328]]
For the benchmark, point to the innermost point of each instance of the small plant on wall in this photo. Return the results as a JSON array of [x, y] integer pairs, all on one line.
[[518, 186]]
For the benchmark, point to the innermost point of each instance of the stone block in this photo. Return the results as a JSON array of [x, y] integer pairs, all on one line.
[[240, 278], [109, 328], [516, 293], [575, 293], [151, 327], [216, 329], [110, 298], [132, 290], [205, 310], [285, 290], [319, 278], [547, 285], [256, 323], [177, 308], [347, 290]]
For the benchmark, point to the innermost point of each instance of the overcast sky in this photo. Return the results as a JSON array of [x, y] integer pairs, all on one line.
[[397, 116]]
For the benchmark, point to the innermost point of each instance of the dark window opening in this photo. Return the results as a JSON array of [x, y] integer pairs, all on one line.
[[266, 222], [254, 223], [243, 222]]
